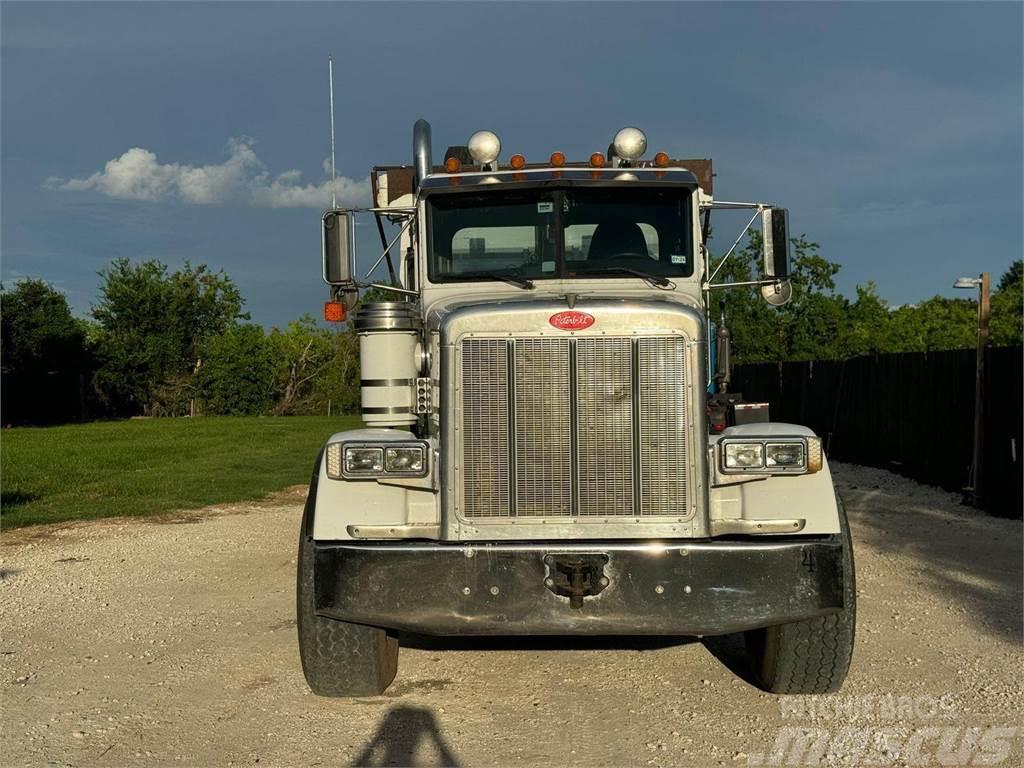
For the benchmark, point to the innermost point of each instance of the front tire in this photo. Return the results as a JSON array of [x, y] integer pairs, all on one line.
[[810, 656], [338, 658]]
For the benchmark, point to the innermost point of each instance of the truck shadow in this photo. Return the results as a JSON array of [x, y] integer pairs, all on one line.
[[541, 642], [407, 736]]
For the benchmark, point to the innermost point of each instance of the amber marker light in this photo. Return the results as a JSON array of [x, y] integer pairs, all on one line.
[[334, 312], [661, 160], [517, 162], [597, 160], [557, 159], [452, 165]]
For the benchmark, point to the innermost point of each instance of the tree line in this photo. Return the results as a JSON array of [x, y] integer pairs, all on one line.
[[159, 342], [168, 343]]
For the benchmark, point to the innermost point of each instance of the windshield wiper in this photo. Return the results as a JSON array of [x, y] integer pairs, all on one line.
[[655, 280], [519, 282]]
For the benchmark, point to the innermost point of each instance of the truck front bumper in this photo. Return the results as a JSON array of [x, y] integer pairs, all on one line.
[[649, 588]]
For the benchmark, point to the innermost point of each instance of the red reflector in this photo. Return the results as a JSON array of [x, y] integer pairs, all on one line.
[[334, 312]]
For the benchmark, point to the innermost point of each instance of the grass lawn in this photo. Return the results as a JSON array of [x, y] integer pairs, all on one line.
[[139, 467]]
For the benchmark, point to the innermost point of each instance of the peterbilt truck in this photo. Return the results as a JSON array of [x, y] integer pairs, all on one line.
[[537, 457]]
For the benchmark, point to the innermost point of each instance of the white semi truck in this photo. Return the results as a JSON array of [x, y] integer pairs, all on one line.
[[537, 457]]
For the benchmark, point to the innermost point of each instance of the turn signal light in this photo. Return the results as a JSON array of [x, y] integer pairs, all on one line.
[[661, 160], [557, 159], [334, 312], [452, 165], [517, 162], [597, 160]]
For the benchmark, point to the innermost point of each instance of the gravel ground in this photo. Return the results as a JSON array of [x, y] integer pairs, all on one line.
[[172, 642]]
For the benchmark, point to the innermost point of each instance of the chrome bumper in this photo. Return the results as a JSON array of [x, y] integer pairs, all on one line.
[[693, 588]]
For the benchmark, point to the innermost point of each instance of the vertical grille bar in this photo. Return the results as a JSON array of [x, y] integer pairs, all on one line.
[[663, 447], [605, 453], [543, 455], [485, 428]]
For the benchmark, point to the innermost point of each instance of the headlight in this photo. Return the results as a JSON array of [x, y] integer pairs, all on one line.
[[788, 455], [408, 459], [363, 461], [778, 456], [744, 455]]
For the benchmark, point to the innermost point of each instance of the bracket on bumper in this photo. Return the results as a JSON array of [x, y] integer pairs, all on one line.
[[576, 575]]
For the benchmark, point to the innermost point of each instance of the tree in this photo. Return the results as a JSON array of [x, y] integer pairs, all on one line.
[[237, 375], [151, 326], [1007, 324], [302, 353], [45, 357], [39, 334], [814, 325]]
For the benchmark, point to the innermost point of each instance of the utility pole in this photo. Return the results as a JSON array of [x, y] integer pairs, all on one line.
[[977, 481]]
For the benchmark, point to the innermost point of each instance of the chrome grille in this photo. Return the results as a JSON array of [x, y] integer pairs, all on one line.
[[597, 427], [604, 390], [485, 466], [662, 426]]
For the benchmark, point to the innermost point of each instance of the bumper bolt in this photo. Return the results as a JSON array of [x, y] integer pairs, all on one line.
[[549, 582], [604, 581], [659, 589], [495, 590], [466, 590], [687, 589]]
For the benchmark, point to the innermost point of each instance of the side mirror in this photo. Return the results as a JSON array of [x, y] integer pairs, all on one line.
[[776, 243], [339, 248], [776, 257]]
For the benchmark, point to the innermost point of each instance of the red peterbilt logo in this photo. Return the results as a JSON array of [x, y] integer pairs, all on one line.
[[571, 321]]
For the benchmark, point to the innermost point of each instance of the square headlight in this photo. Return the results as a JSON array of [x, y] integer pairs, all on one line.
[[406, 458], [784, 455], [363, 460], [744, 455]]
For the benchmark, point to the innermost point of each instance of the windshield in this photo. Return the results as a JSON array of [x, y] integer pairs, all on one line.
[[549, 233]]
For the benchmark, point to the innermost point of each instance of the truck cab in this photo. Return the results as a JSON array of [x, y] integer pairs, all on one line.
[[537, 457]]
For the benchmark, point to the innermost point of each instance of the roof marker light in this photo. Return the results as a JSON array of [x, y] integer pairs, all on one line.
[[517, 162], [557, 159], [661, 160], [597, 160], [452, 165]]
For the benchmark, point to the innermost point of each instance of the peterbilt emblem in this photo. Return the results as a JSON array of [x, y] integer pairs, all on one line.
[[571, 321]]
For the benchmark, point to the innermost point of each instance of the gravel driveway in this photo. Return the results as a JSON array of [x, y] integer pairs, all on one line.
[[172, 642]]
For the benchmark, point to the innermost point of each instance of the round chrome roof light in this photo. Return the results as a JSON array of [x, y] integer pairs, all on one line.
[[630, 144], [484, 147]]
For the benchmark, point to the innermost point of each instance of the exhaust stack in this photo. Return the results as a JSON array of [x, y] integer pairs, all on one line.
[[421, 151]]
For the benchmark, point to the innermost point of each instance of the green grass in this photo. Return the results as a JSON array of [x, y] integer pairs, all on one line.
[[141, 467]]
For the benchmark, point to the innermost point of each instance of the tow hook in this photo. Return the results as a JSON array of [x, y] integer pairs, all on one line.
[[576, 576]]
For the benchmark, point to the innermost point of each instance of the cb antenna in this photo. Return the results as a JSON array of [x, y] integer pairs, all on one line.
[[330, 85]]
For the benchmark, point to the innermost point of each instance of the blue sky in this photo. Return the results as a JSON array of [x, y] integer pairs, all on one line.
[[892, 132]]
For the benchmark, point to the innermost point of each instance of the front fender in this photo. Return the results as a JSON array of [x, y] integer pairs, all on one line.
[[340, 504], [806, 497]]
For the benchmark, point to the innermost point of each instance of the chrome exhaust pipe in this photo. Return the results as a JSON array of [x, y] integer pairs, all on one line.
[[421, 150]]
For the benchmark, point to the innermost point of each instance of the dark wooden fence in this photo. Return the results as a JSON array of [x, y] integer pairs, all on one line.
[[912, 413]]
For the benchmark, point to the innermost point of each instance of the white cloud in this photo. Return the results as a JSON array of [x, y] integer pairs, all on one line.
[[241, 179]]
